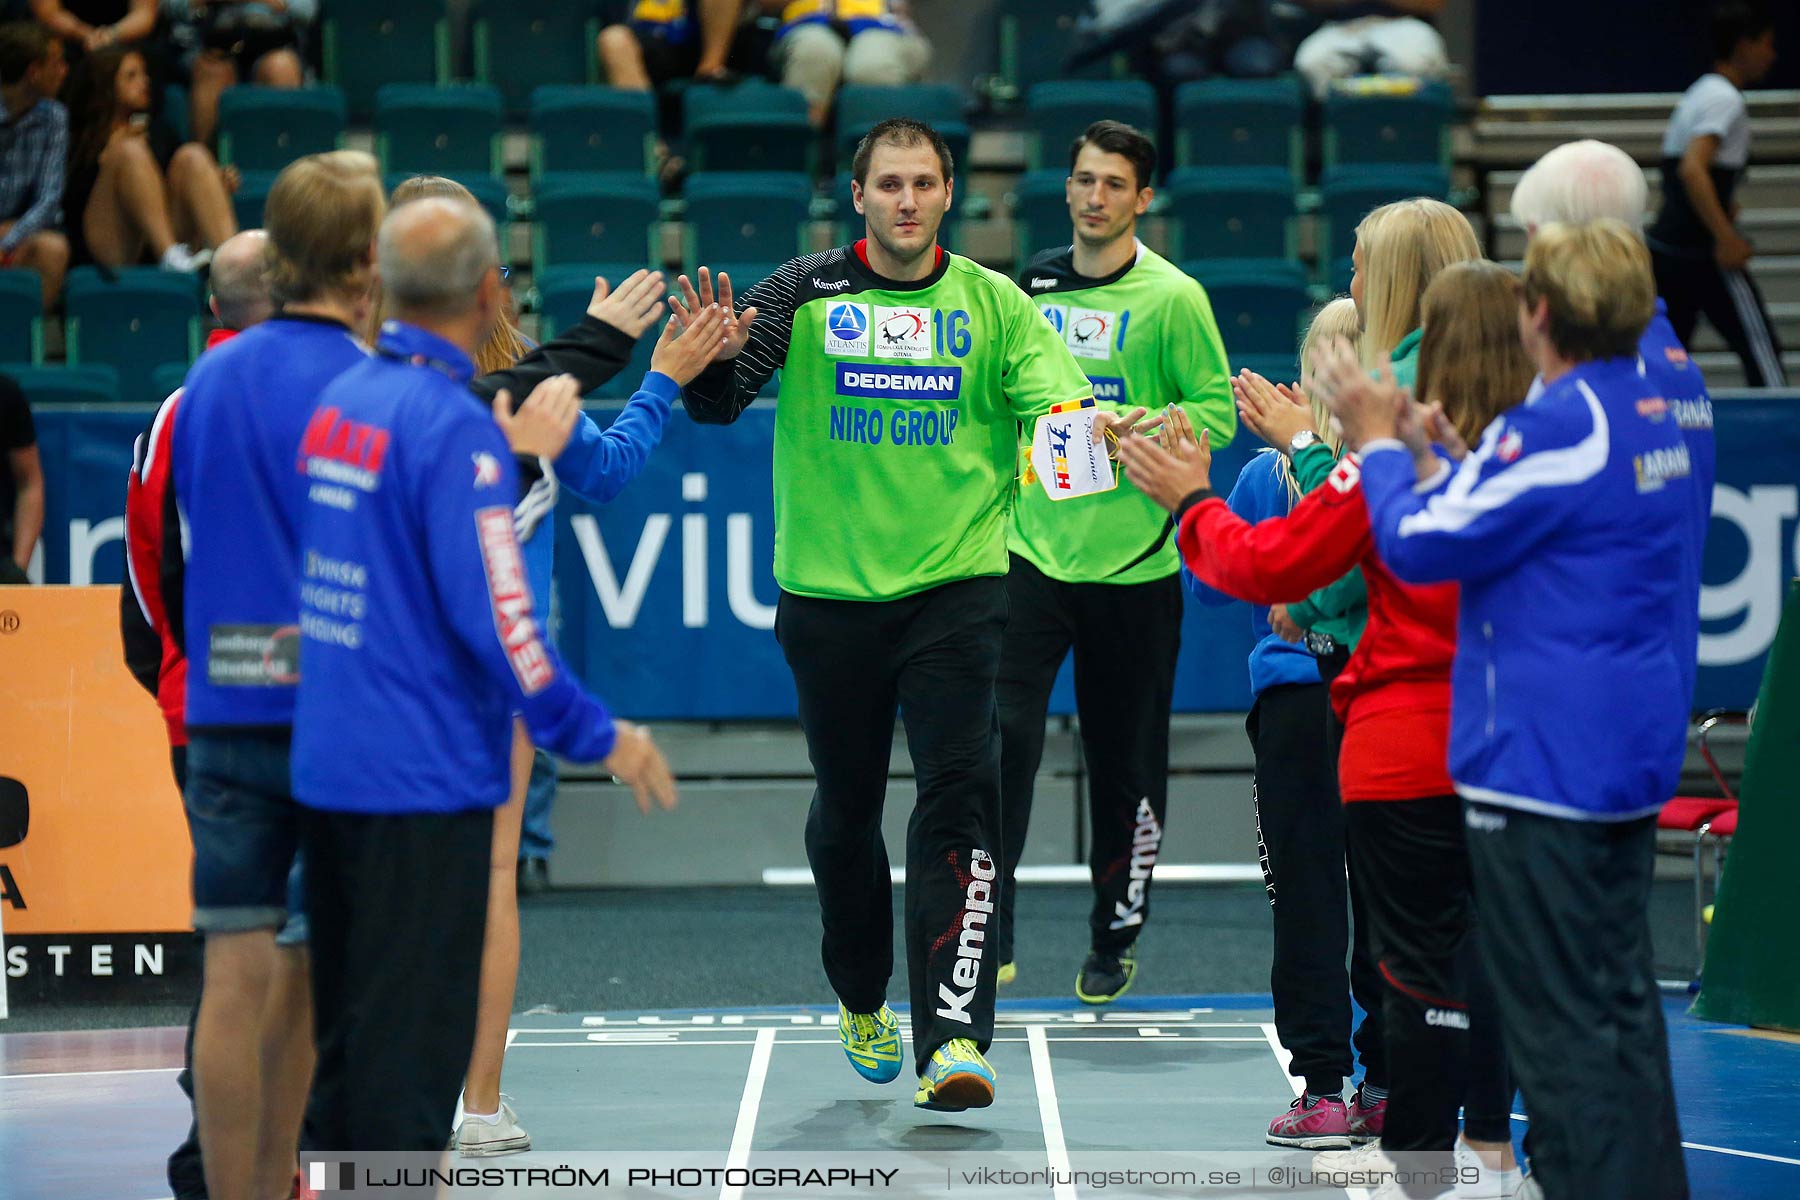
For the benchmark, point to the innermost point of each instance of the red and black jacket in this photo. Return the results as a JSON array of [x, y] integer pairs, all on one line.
[[150, 601], [1394, 695]]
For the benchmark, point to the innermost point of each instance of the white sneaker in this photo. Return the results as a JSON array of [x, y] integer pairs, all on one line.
[[1366, 1158], [180, 257], [475, 1138], [1488, 1183]]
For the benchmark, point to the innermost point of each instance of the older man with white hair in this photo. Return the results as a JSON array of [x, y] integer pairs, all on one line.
[[420, 641], [1589, 180]]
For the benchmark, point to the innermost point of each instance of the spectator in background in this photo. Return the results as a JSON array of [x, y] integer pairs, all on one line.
[[217, 44], [34, 146], [823, 43], [664, 40], [1702, 261], [133, 191], [1371, 37], [89, 25], [21, 483]]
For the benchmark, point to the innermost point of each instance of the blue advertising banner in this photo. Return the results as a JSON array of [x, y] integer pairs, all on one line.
[[667, 600]]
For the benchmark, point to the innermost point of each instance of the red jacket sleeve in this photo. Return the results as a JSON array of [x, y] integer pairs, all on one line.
[[1283, 559]]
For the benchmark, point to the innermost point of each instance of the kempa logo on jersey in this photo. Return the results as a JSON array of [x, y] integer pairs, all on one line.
[[847, 329], [978, 906], [899, 383], [902, 333], [1146, 840]]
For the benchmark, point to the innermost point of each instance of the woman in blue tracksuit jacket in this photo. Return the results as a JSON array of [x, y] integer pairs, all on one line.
[[1573, 529], [1301, 840]]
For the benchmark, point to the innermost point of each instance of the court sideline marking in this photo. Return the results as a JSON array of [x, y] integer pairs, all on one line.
[[1050, 1112], [746, 1120]]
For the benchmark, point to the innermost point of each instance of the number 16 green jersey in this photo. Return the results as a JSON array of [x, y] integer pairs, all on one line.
[[897, 429]]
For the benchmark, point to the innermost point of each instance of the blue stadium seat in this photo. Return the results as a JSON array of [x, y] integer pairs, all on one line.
[[1242, 212], [1348, 194], [426, 130], [21, 306], [745, 216], [135, 323], [1388, 127], [1040, 213], [596, 218], [1056, 113], [374, 42], [751, 127], [860, 109], [489, 192], [1035, 37], [90, 383], [586, 129], [265, 129], [247, 202], [166, 378], [1241, 123], [519, 44], [1260, 305]]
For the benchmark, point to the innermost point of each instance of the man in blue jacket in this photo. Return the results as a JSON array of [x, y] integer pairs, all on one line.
[[419, 641], [1570, 529], [243, 409]]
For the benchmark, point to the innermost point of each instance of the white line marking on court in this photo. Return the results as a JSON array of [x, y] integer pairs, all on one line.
[[76, 1074], [1053, 873], [1774, 1158], [1050, 1112], [1299, 1085], [603, 1041], [746, 1121], [510, 1035]]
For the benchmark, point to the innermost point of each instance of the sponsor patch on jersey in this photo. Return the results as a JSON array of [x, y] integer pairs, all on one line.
[[1056, 314], [1656, 467], [1653, 408], [1676, 356], [902, 333], [847, 329], [1693, 414], [1512, 444], [899, 383], [1345, 476], [510, 600], [1108, 387], [1090, 332]]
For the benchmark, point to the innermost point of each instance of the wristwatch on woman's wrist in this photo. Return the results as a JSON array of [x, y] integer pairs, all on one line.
[[1301, 441]]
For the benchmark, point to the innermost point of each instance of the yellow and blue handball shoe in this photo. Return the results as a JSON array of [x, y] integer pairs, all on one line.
[[871, 1043], [957, 1077]]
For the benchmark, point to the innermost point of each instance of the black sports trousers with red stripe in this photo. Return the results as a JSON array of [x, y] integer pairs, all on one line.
[[1442, 1027], [930, 658]]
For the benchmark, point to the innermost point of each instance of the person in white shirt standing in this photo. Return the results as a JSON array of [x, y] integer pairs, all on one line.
[[1701, 260]]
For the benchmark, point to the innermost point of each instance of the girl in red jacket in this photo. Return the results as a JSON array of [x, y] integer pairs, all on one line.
[[1405, 821]]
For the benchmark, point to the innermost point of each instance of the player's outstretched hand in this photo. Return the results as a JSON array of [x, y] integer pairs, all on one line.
[[541, 427], [1272, 414], [1110, 427], [683, 355], [632, 306], [637, 763], [1167, 477], [692, 299], [1177, 430]]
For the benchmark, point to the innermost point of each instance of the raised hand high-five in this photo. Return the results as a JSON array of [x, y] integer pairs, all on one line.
[[681, 356], [541, 427], [693, 299], [632, 306]]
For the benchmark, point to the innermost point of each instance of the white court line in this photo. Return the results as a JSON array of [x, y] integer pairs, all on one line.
[[643, 1045], [1299, 1085], [1050, 1112], [1774, 1158], [1058, 873], [746, 1121], [72, 1074]]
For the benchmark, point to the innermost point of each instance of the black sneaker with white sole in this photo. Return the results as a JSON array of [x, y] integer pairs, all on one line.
[[1105, 977]]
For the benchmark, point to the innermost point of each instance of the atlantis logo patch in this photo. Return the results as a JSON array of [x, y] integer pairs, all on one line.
[[899, 383], [847, 329], [1056, 314], [902, 333]]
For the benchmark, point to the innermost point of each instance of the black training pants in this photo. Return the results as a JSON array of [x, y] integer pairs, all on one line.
[[1414, 871], [1566, 933], [932, 658], [398, 909], [1731, 302], [1300, 828], [1125, 638]]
